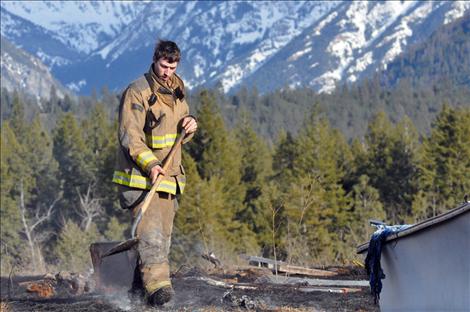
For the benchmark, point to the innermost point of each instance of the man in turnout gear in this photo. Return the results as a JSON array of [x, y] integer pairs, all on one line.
[[152, 112]]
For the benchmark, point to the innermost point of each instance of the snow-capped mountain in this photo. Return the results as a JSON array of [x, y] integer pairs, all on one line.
[[231, 43], [82, 25]]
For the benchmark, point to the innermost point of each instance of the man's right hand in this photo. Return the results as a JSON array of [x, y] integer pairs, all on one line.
[[155, 172]]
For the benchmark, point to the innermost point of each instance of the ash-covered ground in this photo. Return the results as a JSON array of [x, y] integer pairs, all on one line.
[[197, 290]]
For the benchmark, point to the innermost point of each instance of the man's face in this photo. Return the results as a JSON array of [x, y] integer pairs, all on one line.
[[164, 69]]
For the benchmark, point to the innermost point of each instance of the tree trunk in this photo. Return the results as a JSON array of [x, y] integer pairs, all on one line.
[[27, 229]]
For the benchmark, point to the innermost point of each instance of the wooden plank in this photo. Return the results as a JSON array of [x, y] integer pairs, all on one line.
[[284, 280], [344, 290], [291, 269], [286, 268]]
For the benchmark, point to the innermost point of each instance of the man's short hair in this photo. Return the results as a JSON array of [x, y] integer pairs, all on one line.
[[167, 50]]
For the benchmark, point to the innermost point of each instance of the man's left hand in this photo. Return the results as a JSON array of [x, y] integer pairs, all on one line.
[[189, 124]]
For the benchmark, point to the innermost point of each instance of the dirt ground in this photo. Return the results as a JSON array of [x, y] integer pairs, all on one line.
[[197, 290]]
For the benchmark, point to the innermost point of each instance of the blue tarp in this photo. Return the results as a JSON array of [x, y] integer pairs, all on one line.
[[373, 267]]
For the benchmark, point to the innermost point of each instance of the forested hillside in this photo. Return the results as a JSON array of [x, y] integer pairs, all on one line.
[[416, 85], [306, 198], [444, 56]]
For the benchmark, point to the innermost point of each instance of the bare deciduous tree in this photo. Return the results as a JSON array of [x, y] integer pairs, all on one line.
[[89, 208], [30, 226]]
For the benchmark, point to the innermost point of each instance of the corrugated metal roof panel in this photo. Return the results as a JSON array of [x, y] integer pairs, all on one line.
[[426, 224]]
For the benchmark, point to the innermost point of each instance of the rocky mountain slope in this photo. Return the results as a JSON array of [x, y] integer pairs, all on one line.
[[26, 73]]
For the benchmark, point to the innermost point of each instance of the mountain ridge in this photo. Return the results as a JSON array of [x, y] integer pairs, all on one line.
[[230, 44]]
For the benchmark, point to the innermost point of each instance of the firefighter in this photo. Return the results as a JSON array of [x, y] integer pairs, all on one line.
[[152, 111]]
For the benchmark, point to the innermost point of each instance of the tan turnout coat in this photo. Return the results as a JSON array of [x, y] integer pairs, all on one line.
[[150, 117]]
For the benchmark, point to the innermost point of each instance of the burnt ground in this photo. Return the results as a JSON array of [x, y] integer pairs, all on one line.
[[197, 290]]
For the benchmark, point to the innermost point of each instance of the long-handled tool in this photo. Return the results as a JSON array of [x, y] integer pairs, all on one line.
[[128, 244]]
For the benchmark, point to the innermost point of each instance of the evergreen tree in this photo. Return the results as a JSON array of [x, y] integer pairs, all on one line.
[[256, 167], [285, 154], [74, 158], [12, 246], [365, 205], [214, 198], [392, 164], [18, 118], [316, 205], [403, 172], [115, 230], [45, 193], [205, 222], [444, 171], [72, 243], [101, 140]]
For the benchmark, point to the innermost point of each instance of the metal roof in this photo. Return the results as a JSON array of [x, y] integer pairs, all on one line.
[[426, 224]]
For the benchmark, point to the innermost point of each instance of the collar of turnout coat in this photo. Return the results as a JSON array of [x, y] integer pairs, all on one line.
[[169, 90]]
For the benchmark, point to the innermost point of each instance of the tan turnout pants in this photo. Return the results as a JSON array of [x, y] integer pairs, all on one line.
[[154, 232]]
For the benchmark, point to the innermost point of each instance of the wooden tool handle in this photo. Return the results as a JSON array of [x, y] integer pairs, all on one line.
[[166, 165]]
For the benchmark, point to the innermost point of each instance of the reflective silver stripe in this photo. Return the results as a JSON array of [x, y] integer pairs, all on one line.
[[136, 181], [168, 187], [144, 158], [161, 141], [141, 182]]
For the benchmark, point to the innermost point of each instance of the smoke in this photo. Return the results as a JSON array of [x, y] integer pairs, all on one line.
[[120, 299]]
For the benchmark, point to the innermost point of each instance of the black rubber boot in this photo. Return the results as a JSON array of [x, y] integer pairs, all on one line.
[[160, 296]]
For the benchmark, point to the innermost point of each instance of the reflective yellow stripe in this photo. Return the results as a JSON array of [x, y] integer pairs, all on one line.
[[181, 183], [144, 158], [133, 180], [161, 141], [153, 286], [141, 182], [168, 187]]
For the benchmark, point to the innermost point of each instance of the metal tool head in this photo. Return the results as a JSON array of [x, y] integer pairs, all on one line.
[[114, 271]]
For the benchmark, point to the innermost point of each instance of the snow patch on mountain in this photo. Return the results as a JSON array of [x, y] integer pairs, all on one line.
[[80, 24], [458, 10], [76, 85]]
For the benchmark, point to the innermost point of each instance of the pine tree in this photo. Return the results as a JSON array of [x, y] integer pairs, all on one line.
[[101, 140], [204, 222], [72, 243], [256, 167], [218, 162], [285, 154], [115, 230], [12, 245], [316, 206], [403, 171], [392, 164], [365, 205], [444, 171], [73, 156]]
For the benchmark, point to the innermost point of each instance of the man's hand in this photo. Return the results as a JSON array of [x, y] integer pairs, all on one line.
[[189, 124], [155, 172]]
